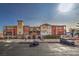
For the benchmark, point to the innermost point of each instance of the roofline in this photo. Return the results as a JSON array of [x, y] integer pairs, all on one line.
[[46, 24], [58, 25]]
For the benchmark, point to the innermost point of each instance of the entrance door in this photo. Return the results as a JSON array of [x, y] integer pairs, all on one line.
[[34, 37]]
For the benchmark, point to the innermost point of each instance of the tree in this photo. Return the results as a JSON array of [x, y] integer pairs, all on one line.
[[77, 34], [72, 32]]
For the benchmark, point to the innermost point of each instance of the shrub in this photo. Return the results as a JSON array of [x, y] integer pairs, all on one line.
[[51, 37]]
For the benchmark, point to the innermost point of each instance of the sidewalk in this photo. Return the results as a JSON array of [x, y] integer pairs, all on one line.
[[31, 40], [52, 40]]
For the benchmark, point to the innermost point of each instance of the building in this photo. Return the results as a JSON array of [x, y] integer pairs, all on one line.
[[20, 27], [10, 32], [22, 31], [18, 31], [46, 29], [58, 30], [34, 32], [26, 30], [1, 35]]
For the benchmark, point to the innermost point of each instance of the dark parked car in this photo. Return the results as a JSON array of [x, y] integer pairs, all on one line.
[[67, 41], [34, 44]]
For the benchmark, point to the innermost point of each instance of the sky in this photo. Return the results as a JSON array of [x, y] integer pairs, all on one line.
[[34, 14]]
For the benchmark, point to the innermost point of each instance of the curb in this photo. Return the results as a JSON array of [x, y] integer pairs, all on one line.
[[29, 42]]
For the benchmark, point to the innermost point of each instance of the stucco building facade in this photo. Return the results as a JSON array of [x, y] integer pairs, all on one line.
[[46, 29]]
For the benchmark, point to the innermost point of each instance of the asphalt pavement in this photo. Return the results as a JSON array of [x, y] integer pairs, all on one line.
[[43, 49]]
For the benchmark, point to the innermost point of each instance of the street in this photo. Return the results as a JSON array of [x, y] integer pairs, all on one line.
[[44, 49]]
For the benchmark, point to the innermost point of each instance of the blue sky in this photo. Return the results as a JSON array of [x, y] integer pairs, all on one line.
[[36, 14]]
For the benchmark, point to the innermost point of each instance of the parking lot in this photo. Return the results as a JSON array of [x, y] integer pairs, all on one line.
[[43, 49]]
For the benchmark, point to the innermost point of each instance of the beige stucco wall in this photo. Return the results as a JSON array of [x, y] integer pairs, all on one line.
[[46, 30]]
